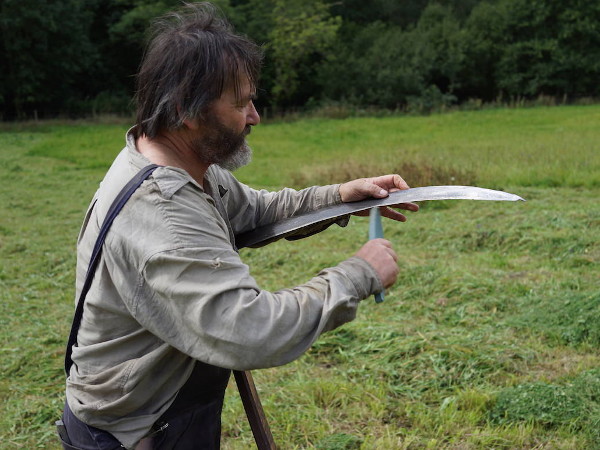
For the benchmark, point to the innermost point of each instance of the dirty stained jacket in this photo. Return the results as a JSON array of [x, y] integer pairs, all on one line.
[[171, 289]]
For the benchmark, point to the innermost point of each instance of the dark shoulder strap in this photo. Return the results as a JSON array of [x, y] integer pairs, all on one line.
[[113, 211]]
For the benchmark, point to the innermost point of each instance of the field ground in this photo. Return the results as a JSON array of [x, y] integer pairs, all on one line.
[[489, 339]]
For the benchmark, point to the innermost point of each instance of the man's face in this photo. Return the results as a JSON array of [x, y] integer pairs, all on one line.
[[223, 134]]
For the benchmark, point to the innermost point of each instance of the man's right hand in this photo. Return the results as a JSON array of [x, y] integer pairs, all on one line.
[[380, 255]]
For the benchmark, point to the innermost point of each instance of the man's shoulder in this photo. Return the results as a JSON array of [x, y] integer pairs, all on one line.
[[179, 198], [171, 180]]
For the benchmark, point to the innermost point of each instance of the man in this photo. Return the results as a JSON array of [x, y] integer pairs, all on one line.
[[172, 308]]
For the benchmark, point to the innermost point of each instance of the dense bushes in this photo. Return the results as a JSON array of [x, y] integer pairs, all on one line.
[[61, 58]]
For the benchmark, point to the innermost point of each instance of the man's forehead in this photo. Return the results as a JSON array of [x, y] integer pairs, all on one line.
[[241, 88], [235, 94]]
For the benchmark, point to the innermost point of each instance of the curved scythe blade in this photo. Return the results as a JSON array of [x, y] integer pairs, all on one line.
[[293, 224]]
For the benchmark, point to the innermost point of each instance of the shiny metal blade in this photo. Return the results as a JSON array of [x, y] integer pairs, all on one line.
[[293, 224], [453, 193]]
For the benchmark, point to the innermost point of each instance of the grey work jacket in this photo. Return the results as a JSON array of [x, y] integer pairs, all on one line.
[[171, 289]]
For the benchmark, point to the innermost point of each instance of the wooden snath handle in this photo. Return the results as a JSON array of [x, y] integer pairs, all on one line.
[[254, 411]]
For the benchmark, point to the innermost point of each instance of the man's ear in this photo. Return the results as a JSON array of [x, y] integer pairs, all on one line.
[[192, 124]]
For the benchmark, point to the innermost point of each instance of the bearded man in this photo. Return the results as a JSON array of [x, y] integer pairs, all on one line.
[[172, 309]]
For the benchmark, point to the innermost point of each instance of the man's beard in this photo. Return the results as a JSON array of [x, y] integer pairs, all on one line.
[[223, 146]]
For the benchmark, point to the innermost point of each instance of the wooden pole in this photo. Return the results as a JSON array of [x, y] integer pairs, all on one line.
[[254, 411]]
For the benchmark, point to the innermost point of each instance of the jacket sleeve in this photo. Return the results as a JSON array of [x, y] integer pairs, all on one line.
[[249, 208], [203, 301]]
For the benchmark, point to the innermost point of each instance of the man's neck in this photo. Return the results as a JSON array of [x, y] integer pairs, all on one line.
[[173, 149]]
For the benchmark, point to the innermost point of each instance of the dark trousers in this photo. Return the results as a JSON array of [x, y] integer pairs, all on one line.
[[192, 422]]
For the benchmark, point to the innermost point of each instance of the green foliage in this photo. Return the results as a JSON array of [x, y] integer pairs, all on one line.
[[541, 51], [302, 31], [527, 49], [370, 71], [123, 34], [501, 50], [132, 25], [418, 56], [437, 37], [45, 52], [389, 67]]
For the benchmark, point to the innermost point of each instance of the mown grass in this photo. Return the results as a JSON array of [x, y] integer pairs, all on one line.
[[489, 339]]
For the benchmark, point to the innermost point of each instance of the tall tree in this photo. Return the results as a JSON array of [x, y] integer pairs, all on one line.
[[393, 12], [550, 47], [303, 30], [126, 33], [483, 34], [254, 18], [438, 52], [44, 49]]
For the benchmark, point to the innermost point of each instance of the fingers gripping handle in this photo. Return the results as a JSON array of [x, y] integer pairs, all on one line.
[[375, 232]]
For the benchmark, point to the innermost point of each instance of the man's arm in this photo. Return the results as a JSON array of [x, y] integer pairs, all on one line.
[[213, 310], [249, 208]]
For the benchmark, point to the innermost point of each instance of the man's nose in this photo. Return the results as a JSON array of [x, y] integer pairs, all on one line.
[[253, 117]]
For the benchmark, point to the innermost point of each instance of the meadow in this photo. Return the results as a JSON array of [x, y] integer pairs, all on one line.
[[489, 339]]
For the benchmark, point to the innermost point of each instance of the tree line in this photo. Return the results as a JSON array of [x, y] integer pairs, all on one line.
[[79, 57]]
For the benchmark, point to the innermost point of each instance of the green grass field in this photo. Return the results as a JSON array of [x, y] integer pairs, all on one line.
[[489, 339]]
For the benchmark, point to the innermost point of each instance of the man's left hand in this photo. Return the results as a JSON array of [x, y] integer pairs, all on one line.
[[377, 187]]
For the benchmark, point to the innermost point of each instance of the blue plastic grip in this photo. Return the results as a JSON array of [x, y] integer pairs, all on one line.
[[375, 232]]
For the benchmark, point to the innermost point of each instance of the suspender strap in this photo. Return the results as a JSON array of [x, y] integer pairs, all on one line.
[[113, 211]]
